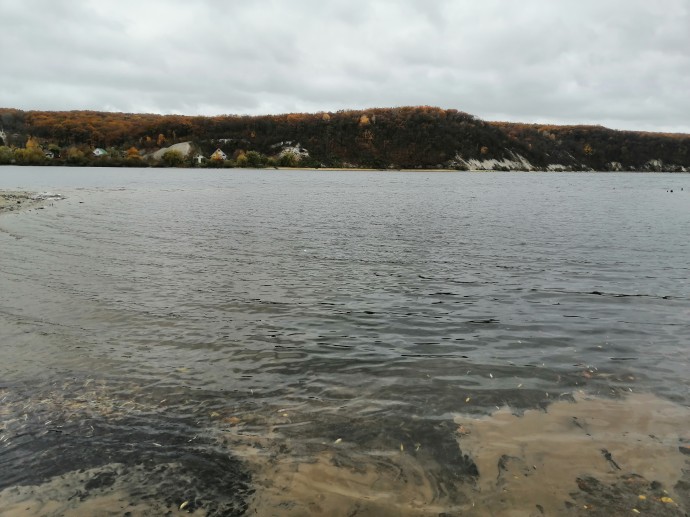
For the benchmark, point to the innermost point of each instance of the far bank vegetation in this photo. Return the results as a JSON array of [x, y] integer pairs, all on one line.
[[381, 138]]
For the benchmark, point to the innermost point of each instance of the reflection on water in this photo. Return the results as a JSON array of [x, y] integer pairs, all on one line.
[[311, 343]]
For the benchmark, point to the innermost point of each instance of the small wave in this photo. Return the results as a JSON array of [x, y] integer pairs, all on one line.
[[47, 196]]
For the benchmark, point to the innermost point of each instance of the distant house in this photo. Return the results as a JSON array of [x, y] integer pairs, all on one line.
[[219, 155], [49, 155], [99, 152], [199, 158], [3, 137]]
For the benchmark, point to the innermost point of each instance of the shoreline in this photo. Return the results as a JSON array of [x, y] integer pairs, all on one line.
[[358, 169]]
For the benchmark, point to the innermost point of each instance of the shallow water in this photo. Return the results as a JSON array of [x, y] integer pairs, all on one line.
[[236, 326]]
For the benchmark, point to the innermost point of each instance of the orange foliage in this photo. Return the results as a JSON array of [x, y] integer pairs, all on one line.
[[404, 136]]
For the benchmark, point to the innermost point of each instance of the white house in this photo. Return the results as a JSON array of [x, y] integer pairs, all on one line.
[[199, 158], [99, 152]]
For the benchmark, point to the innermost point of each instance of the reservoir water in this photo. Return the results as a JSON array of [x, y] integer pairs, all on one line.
[[344, 343]]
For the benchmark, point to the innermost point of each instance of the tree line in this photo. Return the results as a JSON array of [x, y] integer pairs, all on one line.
[[405, 137]]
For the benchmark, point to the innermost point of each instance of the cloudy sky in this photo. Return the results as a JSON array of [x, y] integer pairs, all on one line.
[[621, 63]]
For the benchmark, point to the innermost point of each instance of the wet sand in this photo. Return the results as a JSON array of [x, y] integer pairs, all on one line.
[[13, 201]]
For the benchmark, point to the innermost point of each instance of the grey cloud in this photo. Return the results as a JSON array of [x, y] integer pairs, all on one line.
[[622, 63]]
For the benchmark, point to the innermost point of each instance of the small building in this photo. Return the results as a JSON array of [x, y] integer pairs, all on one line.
[[218, 154], [49, 155], [199, 158], [99, 152]]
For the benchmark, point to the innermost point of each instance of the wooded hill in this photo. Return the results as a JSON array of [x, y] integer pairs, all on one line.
[[407, 137]]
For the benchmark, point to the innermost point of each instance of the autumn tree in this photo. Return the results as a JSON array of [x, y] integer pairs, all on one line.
[[133, 153], [403, 137], [241, 160], [32, 144], [29, 156]]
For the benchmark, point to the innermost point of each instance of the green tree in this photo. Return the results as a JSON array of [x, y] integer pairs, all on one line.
[[31, 156], [172, 158], [255, 159], [55, 149], [6, 155], [75, 156], [288, 160]]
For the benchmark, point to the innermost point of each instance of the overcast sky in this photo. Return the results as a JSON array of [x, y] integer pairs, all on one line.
[[621, 63]]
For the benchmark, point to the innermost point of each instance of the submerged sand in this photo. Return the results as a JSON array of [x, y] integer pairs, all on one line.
[[590, 456]]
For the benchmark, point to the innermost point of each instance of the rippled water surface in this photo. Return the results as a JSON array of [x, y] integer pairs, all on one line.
[[169, 327]]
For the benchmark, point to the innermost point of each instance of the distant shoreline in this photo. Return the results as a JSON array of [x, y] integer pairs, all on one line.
[[405, 137], [482, 171], [356, 169]]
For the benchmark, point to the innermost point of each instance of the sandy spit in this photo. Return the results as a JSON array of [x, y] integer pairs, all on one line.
[[18, 200]]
